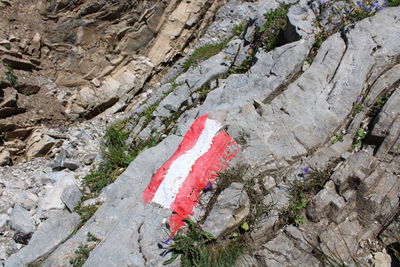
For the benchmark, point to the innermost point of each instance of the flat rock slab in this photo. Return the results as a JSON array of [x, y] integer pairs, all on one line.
[[50, 234], [20, 222]]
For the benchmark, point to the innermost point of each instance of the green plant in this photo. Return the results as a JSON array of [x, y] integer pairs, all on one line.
[[202, 53], [393, 3], [196, 248], [328, 260], [7, 46], [246, 64], [117, 156], [203, 92], [272, 30], [11, 76], [238, 29], [86, 212], [190, 245], [359, 14], [300, 193], [297, 204], [83, 252], [148, 112], [337, 138], [92, 238], [381, 101], [357, 108], [81, 255], [358, 138]]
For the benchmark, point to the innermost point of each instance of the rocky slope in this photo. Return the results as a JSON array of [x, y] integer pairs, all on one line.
[[316, 114]]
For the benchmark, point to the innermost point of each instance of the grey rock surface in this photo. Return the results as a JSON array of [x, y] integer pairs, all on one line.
[[21, 224], [289, 111], [231, 207], [49, 235], [27, 200], [133, 235], [71, 197]]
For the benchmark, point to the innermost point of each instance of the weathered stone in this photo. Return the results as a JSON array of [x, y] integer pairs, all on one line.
[[231, 208], [49, 235], [382, 259], [39, 144], [27, 200], [323, 203], [19, 64], [53, 177], [388, 236], [21, 224], [71, 164], [52, 197], [5, 157], [89, 158], [10, 99], [71, 197], [283, 249], [35, 44], [4, 218]]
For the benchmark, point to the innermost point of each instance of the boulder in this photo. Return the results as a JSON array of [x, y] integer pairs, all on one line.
[[39, 144], [52, 197], [71, 197], [5, 157], [21, 224]]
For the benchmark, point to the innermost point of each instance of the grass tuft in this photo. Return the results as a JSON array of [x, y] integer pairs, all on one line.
[[272, 30], [82, 252], [393, 3], [11, 76], [238, 29], [198, 248], [300, 192], [203, 53], [117, 157]]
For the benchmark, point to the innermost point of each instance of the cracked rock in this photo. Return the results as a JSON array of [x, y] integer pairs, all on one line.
[[231, 208]]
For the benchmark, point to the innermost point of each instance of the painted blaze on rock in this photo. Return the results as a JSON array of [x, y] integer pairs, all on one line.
[[204, 151]]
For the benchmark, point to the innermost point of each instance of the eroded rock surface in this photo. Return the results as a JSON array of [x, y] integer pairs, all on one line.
[[298, 111]]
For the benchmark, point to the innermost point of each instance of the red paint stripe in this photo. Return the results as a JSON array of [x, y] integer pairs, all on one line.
[[204, 171], [187, 143]]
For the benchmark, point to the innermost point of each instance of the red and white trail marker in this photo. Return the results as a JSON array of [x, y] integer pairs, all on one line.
[[204, 151]]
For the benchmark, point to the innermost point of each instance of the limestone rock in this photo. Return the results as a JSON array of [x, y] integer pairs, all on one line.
[[5, 157], [71, 197], [27, 200], [382, 259], [52, 198], [21, 224], [19, 64], [4, 218], [231, 208], [49, 235], [35, 44], [39, 144]]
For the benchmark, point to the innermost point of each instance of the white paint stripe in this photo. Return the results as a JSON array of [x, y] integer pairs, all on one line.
[[181, 167]]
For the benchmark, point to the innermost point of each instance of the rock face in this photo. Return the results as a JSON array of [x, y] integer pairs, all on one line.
[[318, 122], [85, 58]]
